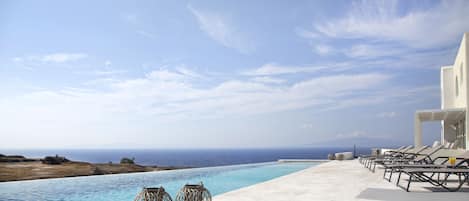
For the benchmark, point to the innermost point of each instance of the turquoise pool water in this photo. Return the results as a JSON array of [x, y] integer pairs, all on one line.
[[126, 186]]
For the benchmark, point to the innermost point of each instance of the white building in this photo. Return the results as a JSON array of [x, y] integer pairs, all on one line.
[[454, 103]]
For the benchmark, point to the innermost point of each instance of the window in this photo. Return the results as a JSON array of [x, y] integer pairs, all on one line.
[[461, 74], [456, 86]]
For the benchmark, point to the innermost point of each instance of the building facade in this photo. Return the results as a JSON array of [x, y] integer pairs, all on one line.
[[454, 102]]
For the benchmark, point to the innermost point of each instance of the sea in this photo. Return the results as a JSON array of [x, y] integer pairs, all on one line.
[[186, 157]]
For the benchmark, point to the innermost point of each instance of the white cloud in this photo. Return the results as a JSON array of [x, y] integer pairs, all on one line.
[[119, 108], [307, 126], [18, 59], [438, 26], [107, 63], [63, 57], [171, 94], [373, 51], [108, 72], [101, 81], [52, 58], [323, 49], [164, 75], [146, 34], [131, 18], [140, 26], [307, 34], [384, 34], [274, 69], [266, 79], [220, 30], [188, 72], [387, 115], [352, 134]]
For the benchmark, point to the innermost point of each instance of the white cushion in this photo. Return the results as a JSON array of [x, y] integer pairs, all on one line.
[[344, 156]]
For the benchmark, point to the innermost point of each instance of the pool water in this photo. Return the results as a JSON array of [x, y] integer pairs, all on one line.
[[126, 186]]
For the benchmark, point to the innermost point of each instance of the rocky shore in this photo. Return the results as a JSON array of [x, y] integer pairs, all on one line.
[[16, 168]]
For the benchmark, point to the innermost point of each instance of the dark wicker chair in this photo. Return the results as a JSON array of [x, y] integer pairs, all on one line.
[[153, 194], [194, 192]]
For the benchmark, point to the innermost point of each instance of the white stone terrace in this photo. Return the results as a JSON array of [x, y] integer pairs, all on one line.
[[339, 181]]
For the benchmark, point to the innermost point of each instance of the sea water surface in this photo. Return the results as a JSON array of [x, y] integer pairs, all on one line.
[[126, 186], [186, 157]]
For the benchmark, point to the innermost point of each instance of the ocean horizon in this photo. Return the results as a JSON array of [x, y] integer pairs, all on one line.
[[186, 157]]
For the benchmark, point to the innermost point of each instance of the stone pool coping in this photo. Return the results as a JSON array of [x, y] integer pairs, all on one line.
[[336, 181]]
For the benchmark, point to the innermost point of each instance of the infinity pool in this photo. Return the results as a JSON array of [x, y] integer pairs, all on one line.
[[126, 186]]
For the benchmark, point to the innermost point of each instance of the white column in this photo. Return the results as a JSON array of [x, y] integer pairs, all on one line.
[[417, 131], [443, 130], [466, 130]]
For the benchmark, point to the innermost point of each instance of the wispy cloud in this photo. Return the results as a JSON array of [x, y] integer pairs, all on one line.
[[173, 94], [266, 79], [63, 57], [107, 63], [219, 29], [307, 126], [306, 33], [383, 20], [373, 51], [146, 34], [323, 49], [387, 114], [52, 58], [131, 18], [108, 72], [141, 27], [386, 34], [353, 134], [274, 69]]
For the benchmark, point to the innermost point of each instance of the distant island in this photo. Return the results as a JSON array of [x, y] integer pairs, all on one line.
[[17, 167]]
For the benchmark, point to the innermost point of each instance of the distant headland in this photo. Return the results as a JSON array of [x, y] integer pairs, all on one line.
[[17, 167]]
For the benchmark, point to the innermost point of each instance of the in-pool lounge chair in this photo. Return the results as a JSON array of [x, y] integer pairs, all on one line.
[[427, 174]]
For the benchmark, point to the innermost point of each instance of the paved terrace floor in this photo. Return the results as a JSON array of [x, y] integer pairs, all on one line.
[[339, 181]]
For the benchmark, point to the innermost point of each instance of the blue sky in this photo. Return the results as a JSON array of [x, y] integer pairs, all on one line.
[[221, 74]]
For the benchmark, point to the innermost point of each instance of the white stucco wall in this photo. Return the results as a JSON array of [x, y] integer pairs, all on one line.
[[447, 89], [460, 74], [463, 62], [447, 100], [454, 88]]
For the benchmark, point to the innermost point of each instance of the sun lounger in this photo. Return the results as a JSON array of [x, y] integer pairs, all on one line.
[[460, 169], [368, 161], [394, 153], [408, 155], [421, 175], [363, 158], [422, 159], [398, 158]]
